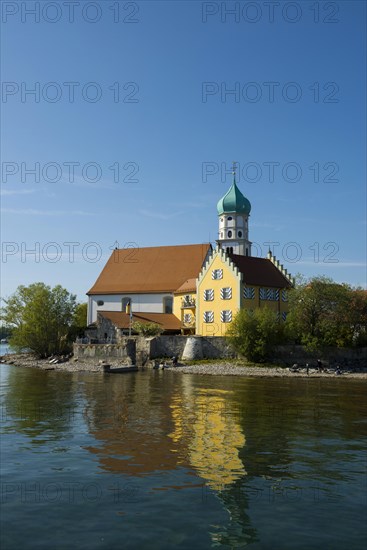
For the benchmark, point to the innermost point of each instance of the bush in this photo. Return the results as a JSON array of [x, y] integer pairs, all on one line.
[[147, 329], [324, 313], [254, 334]]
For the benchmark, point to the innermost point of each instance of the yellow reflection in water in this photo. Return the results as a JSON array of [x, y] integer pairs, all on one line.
[[205, 422]]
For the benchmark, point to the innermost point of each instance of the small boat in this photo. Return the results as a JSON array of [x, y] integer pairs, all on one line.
[[118, 370]]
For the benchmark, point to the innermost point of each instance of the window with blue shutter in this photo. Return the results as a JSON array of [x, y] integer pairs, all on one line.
[[271, 294], [263, 294], [249, 292], [209, 295], [208, 316], [217, 274], [226, 316], [226, 293]]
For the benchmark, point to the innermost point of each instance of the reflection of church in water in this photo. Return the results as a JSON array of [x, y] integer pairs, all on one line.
[[203, 437]]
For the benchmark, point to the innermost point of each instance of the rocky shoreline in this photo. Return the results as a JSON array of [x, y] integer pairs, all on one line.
[[259, 371], [216, 368]]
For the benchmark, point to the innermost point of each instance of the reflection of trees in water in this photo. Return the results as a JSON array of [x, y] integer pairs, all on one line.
[[128, 414], [38, 402], [288, 423]]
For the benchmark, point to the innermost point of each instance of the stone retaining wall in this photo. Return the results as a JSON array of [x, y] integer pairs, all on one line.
[[140, 350], [125, 350], [213, 347]]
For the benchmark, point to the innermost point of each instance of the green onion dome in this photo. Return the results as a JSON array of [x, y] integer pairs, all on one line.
[[234, 201]]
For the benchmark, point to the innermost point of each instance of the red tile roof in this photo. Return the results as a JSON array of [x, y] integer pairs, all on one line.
[[155, 269], [260, 272], [167, 321], [188, 286]]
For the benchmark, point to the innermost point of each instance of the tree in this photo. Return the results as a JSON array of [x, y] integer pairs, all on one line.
[[42, 318], [147, 329], [79, 320], [253, 334], [325, 313]]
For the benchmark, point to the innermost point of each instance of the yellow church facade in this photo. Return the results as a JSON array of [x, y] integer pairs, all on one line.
[[224, 286]]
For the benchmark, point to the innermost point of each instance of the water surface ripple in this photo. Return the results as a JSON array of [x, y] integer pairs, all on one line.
[[157, 460]]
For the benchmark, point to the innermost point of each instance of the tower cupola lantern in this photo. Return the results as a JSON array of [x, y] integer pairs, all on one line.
[[233, 215]]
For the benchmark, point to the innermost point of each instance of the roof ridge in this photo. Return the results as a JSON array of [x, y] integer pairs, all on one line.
[[162, 246]]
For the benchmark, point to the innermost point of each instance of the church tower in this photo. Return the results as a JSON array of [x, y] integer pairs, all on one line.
[[233, 214]]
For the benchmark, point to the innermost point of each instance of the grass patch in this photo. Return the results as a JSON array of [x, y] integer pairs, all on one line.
[[209, 361]]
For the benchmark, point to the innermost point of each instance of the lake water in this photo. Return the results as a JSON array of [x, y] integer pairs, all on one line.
[[157, 460]]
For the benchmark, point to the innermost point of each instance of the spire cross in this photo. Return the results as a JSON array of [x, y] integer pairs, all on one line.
[[234, 168]]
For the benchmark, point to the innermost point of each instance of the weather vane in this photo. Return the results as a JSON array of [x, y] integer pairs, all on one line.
[[234, 168]]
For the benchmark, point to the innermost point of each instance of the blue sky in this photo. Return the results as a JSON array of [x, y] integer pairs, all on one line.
[[152, 96]]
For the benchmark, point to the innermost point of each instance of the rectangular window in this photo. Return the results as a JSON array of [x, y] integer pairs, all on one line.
[[187, 318], [208, 317], [217, 274], [167, 304], [284, 296], [249, 292], [209, 295], [226, 316], [271, 294], [226, 293]]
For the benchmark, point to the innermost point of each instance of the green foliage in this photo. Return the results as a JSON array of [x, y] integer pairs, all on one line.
[[42, 317], [147, 329], [324, 313], [79, 323], [253, 334]]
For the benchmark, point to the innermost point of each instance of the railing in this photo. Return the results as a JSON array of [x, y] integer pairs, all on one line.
[[187, 302], [188, 324]]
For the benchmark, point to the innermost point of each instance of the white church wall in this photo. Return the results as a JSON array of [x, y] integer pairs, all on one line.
[[141, 303]]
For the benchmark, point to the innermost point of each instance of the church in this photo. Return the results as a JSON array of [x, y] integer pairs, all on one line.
[[190, 289]]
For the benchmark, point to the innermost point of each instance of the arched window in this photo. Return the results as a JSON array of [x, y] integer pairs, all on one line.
[[240, 234], [125, 302], [229, 234], [167, 304], [229, 218]]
